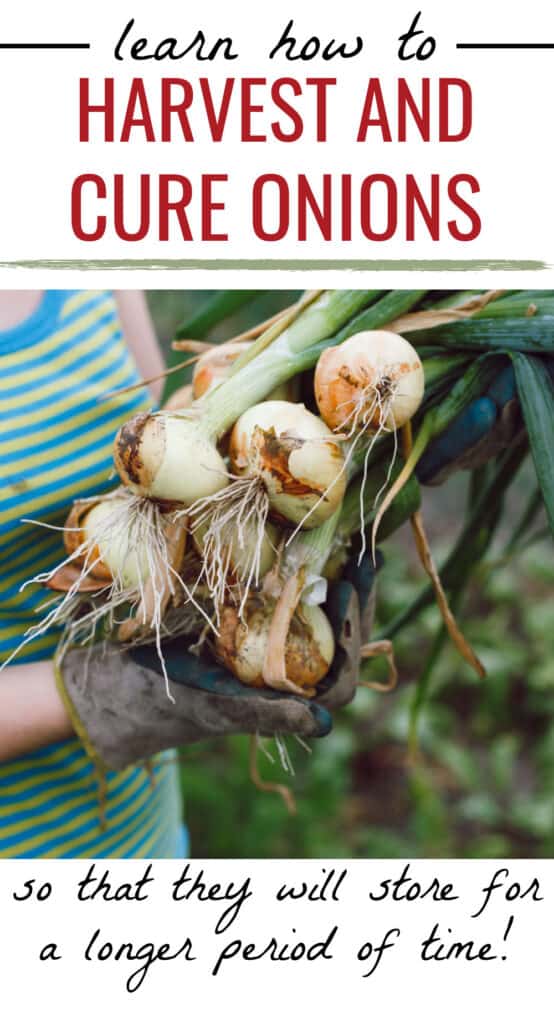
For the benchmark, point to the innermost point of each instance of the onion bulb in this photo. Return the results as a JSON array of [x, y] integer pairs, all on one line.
[[106, 537], [77, 544], [168, 457], [214, 365], [372, 382], [241, 547], [299, 461], [309, 649], [180, 399]]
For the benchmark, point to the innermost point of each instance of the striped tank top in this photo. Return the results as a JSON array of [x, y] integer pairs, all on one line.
[[56, 434]]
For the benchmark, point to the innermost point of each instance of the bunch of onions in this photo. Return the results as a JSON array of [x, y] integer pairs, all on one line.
[[173, 456]]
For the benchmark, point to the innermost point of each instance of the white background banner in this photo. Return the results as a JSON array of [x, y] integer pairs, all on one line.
[[274, 941], [496, 99]]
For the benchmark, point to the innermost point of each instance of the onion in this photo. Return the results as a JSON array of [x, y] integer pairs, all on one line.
[[104, 529], [241, 547], [215, 364], [180, 399], [309, 648], [174, 457], [169, 457], [299, 461], [77, 544], [372, 382]]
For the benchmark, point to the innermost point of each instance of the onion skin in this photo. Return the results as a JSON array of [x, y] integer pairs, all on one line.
[[214, 366], [371, 358], [168, 457], [309, 651], [180, 399], [297, 458], [74, 537]]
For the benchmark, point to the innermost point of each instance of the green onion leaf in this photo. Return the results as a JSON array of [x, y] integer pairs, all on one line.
[[536, 394], [515, 334]]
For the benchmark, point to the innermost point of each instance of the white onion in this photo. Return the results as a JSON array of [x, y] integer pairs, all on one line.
[[240, 545], [309, 648], [295, 455], [372, 381], [104, 528], [168, 457]]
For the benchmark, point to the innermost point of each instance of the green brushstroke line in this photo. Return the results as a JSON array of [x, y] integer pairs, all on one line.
[[184, 264]]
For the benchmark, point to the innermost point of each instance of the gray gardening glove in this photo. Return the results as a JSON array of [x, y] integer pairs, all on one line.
[[121, 711], [119, 706]]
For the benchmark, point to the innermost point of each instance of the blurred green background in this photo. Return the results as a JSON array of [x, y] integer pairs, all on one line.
[[483, 785]]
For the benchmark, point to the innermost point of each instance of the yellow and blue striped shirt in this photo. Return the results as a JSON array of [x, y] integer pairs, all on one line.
[[56, 434]]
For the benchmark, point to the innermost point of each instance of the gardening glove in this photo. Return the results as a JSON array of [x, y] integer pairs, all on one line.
[[119, 706], [121, 711], [483, 430], [350, 608]]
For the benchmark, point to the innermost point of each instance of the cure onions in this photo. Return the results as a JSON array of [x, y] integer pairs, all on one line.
[[372, 382], [296, 457]]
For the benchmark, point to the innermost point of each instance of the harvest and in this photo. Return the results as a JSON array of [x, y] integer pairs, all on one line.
[[297, 448]]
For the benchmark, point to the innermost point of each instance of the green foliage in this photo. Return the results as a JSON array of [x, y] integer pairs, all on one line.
[[536, 394]]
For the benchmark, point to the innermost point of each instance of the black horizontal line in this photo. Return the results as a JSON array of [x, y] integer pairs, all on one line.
[[505, 46], [44, 46]]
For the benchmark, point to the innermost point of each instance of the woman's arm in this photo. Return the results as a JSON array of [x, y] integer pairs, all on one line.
[[32, 713], [139, 333]]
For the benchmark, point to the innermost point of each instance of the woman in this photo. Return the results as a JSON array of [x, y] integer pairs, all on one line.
[[61, 354]]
